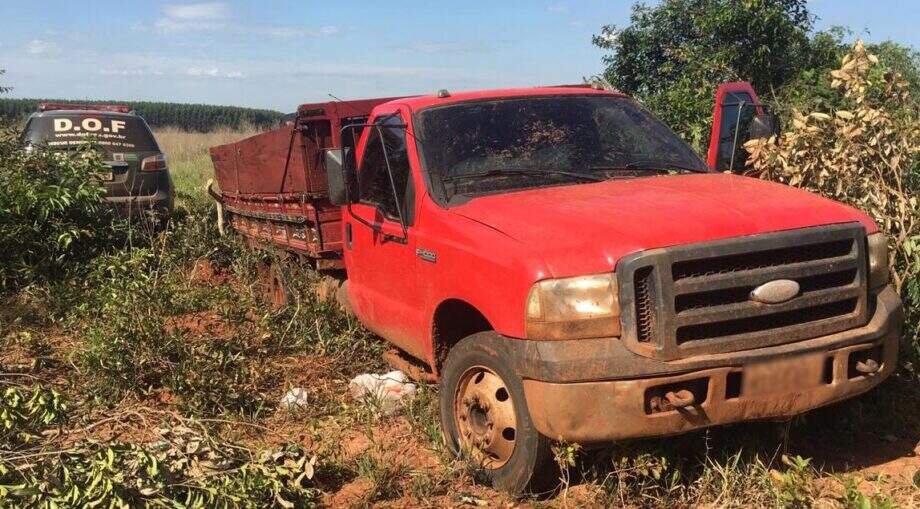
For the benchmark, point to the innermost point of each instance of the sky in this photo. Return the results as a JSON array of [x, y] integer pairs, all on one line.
[[278, 54]]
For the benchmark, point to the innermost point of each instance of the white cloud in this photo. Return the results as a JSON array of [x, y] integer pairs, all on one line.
[[291, 32], [123, 72], [216, 16], [559, 8], [610, 36], [193, 17], [207, 10], [213, 72], [201, 71], [167, 25], [40, 47]]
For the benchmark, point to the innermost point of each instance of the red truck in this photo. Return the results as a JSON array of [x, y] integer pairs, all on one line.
[[568, 269]]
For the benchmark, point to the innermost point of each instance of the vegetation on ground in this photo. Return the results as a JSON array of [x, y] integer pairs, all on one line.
[[146, 370], [189, 149], [50, 212]]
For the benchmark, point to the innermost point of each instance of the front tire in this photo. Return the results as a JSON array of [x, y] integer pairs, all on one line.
[[484, 415]]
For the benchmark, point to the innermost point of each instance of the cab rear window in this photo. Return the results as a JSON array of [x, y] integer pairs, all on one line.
[[111, 133]]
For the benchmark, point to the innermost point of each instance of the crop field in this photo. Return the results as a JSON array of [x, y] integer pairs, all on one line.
[[153, 374]]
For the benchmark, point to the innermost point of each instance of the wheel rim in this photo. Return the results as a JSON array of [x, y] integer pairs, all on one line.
[[485, 418]]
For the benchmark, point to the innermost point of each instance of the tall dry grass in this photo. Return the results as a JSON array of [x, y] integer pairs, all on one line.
[[189, 160]]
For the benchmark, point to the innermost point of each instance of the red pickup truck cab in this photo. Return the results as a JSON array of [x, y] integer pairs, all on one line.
[[570, 270]]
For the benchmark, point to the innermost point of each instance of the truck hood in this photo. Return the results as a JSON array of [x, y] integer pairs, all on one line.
[[586, 228]]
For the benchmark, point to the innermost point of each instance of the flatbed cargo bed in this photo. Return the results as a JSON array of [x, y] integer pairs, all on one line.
[[273, 185]]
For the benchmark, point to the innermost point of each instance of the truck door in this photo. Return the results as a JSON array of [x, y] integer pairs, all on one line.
[[735, 107], [379, 240]]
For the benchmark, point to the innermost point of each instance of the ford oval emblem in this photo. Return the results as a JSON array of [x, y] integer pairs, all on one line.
[[775, 292]]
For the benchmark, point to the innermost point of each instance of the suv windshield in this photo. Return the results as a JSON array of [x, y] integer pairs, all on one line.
[[486, 147], [111, 133]]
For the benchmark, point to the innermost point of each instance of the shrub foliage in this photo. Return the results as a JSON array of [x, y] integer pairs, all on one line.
[[861, 155], [674, 54], [51, 216], [862, 150], [183, 469]]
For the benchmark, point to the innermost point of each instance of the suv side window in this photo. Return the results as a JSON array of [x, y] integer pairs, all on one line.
[[373, 178]]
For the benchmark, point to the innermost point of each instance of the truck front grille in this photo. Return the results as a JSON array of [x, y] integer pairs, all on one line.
[[695, 299], [645, 304]]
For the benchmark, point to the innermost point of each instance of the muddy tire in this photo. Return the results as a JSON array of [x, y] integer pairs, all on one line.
[[484, 417]]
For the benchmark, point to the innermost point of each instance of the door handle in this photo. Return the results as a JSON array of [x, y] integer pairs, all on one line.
[[347, 235], [427, 255]]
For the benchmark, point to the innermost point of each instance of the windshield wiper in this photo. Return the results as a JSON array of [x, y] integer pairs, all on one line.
[[650, 165], [525, 171]]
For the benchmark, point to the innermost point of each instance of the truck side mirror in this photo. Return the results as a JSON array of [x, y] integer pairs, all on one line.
[[340, 176], [763, 126]]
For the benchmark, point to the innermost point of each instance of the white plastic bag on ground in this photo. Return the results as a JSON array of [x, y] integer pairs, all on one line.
[[387, 390], [295, 398]]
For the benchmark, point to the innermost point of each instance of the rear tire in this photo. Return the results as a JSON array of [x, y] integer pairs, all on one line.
[[484, 415]]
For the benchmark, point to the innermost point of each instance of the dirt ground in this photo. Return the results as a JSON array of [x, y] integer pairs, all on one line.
[[400, 461]]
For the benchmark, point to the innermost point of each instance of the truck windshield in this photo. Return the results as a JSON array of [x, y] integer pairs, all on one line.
[[485, 147], [111, 133]]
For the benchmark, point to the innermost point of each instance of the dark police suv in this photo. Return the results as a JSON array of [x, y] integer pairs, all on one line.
[[138, 183]]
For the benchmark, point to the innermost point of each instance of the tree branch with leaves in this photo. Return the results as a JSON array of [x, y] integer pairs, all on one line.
[[862, 153]]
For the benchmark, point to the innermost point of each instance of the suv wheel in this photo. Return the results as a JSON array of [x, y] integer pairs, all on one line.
[[484, 416]]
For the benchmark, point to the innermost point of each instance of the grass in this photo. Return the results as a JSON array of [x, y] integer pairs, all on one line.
[[188, 155], [174, 334]]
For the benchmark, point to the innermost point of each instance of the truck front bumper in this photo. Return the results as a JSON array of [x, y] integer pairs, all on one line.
[[596, 390]]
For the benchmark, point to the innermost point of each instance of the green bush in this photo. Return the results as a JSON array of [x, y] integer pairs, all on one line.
[[182, 470], [51, 215], [674, 54], [25, 412], [124, 306], [861, 148]]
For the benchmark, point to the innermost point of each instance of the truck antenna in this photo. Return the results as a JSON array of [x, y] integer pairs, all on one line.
[[353, 109]]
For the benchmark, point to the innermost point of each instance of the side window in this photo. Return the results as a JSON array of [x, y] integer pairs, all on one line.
[[734, 103], [388, 141]]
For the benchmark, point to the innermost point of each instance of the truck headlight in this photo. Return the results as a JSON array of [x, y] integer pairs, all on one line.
[[573, 308], [878, 260]]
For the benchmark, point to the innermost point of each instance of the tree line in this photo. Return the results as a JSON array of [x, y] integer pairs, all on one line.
[[672, 55], [191, 117]]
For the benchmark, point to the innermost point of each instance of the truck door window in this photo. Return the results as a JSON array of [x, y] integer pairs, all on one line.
[[373, 178], [733, 104]]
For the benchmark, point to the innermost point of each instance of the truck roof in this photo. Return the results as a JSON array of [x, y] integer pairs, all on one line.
[[360, 107], [420, 102]]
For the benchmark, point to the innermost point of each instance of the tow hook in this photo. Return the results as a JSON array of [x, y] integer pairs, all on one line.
[[867, 367], [679, 399], [672, 400]]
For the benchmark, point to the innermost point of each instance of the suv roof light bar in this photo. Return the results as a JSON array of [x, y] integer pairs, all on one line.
[[116, 108]]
